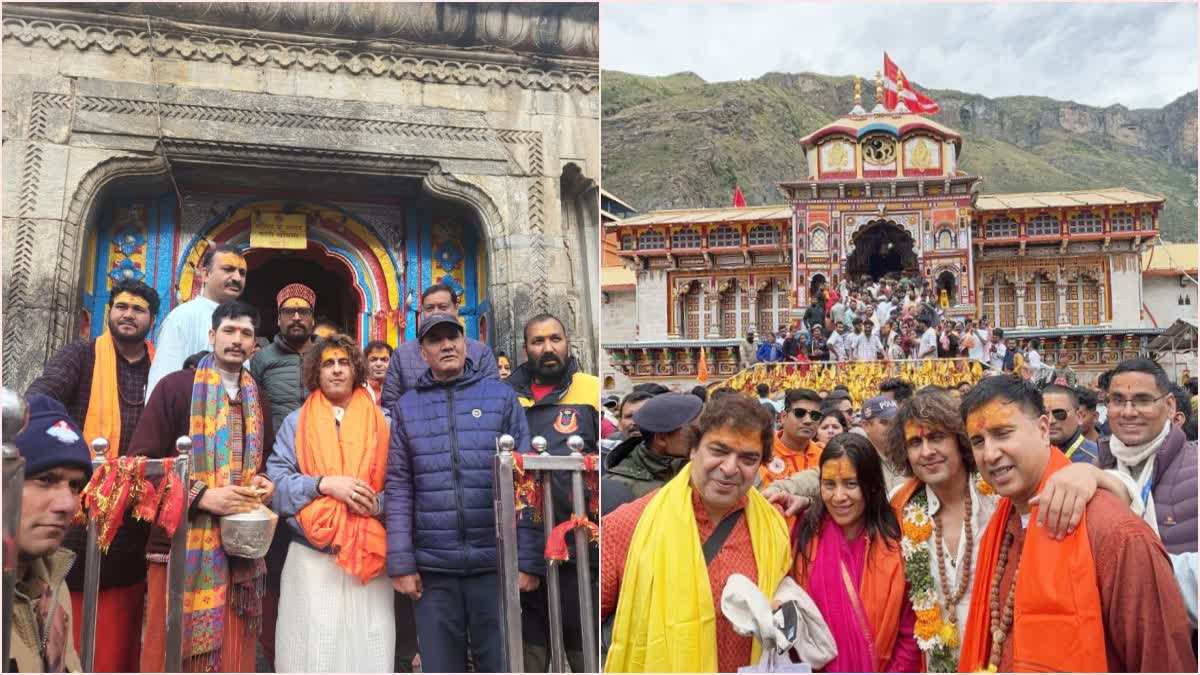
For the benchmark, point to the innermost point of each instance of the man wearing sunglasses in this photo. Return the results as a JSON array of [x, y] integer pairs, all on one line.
[[795, 450], [1066, 431], [1154, 452]]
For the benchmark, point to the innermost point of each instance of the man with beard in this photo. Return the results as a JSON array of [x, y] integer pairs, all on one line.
[[1103, 598], [406, 366], [1065, 431], [560, 402], [1146, 446], [102, 384], [185, 330], [379, 355], [220, 407], [277, 369]]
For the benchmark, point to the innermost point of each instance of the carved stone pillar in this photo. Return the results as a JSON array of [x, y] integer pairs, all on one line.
[[1021, 306], [1060, 291], [753, 325], [1102, 312], [702, 314], [677, 302], [714, 326]]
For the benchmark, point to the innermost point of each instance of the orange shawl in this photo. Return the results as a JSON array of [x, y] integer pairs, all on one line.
[[358, 449], [792, 461], [1057, 603], [104, 403], [882, 593]]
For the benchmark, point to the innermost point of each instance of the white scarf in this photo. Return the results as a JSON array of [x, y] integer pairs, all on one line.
[[1130, 456]]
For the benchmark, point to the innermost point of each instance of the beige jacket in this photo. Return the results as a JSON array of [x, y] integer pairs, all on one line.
[[44, 578]]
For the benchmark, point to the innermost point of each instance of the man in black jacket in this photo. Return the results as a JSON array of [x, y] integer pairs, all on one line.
[[560, 402]]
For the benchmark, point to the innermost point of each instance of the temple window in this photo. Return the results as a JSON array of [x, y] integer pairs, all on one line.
[[1041, 302], [1086, 223], [1122, 222], [945, 239], [1147, 221], [1043, 226], [1000, 302], [692, 309], [763, 235], [651, 240], [1083, 301], [818, 240], [685, 238], [724, 237], [628, 242], [772, 307], [735, 311], [1001, 226]]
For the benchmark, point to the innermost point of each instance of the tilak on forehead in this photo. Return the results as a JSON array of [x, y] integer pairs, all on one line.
[[333, 353], [132, 300], [994, 412], [840, 468]]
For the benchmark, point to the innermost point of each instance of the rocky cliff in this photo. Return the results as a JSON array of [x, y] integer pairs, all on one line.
[[678, 141]]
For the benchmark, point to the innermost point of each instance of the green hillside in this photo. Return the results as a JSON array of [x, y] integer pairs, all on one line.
[[678, 141]]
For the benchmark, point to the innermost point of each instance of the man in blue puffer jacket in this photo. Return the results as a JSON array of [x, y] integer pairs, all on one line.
[[441, 524]]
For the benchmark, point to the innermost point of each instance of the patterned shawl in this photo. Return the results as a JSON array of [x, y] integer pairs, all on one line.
[[216, 460]]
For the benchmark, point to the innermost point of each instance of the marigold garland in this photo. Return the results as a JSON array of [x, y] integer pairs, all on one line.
[[984, 487], [937, 638]]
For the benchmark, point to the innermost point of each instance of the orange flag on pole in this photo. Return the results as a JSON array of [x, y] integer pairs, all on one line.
[[702, 368]]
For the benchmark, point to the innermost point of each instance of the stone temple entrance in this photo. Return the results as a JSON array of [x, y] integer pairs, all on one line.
[[880, 248], [328, 277]]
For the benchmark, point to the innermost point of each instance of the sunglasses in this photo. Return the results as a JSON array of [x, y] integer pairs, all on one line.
[[1060, 414], [814, 415]]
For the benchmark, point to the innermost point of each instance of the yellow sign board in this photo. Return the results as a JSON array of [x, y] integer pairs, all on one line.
[[279, 230]]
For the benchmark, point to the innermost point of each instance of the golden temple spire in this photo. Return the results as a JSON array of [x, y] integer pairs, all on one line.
[[901, 106], [878, 94], [858, 109]]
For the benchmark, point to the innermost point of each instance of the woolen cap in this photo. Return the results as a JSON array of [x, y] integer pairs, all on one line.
[[667, 412], [51, 439]]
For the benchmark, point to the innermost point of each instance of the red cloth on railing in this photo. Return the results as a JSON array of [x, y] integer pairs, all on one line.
[[119, 486], [556, 543]]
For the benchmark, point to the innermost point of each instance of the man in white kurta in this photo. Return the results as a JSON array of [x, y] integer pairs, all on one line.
[[185, 330]]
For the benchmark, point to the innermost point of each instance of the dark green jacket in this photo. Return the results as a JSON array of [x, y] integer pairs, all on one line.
[[633, 471], [277, 370]]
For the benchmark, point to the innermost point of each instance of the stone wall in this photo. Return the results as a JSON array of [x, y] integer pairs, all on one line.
[[1126, 284], [91, 100], [1161, 294], [652, 305]]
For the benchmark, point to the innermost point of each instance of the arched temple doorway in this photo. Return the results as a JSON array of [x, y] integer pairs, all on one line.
[[882, 247]]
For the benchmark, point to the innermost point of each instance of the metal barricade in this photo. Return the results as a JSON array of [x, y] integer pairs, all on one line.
[[175, 566], [14, 481], [506, 538]]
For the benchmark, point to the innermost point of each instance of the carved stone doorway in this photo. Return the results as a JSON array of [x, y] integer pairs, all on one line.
[[329, 278]]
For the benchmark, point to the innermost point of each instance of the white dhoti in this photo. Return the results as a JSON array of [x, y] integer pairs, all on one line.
[[329, 621]]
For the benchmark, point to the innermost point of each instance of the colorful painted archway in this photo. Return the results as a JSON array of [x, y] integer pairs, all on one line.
[[375, 274]]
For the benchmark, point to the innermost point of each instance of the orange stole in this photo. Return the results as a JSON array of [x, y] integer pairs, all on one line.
[[1057, 603], [882, 594], [793, 461], [359, 450], [104, 404]]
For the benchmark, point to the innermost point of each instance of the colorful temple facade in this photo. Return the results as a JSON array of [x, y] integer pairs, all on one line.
[[883, 194]]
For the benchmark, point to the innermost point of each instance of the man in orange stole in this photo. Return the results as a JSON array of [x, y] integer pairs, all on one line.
[[1103, 598], [794, 449]]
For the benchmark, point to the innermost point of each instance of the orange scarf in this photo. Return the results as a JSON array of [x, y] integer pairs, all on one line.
[[359, 450], [104, 403], [1057, 603], [881, 591], [789, 461]]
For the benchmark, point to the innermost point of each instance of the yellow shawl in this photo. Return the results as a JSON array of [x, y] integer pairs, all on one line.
[[665, 619]]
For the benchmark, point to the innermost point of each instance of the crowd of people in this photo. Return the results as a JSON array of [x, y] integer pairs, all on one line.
[[901, 535], [377, 463], [896, 318]]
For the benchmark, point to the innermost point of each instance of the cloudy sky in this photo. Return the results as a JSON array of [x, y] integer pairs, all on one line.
[[1139, 55]]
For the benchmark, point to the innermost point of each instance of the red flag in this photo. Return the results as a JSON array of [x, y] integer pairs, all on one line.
[[739, 199], [913, 99]]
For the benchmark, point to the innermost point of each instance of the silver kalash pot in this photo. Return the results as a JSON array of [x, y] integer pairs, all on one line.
[[248, 535]]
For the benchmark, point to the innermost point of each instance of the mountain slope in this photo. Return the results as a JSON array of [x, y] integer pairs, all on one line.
[[678, 141]]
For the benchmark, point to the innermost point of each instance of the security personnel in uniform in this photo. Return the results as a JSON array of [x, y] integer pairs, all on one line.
[[642, 464]]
